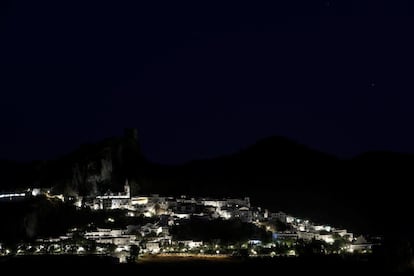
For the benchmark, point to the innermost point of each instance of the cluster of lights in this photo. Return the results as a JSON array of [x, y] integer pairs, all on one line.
[[12, 195]]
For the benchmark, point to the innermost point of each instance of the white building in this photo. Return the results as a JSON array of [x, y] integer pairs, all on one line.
[[308, 236], [115, 201], [215, 203], [361, 244], [152, 247], [343, 233], [190, 243], [111, 236]]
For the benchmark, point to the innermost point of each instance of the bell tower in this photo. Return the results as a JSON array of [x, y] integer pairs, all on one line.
[[127, 188]]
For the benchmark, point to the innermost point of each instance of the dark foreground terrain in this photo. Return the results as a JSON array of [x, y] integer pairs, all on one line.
[[75, 264]]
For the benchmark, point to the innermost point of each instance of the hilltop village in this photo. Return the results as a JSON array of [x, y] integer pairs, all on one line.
[[136, 226]]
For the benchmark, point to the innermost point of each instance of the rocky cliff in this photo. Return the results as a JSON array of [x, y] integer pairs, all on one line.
[[90, 170]]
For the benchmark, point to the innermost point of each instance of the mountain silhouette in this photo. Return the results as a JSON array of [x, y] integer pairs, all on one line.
[[368, 193]]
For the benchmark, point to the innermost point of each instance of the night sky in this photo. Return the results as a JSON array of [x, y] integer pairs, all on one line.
[[199, 81]]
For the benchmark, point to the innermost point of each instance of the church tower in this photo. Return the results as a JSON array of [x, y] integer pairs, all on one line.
[[127, 188]]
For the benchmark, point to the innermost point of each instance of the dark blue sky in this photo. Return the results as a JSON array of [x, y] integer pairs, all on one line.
[[199, 81]]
